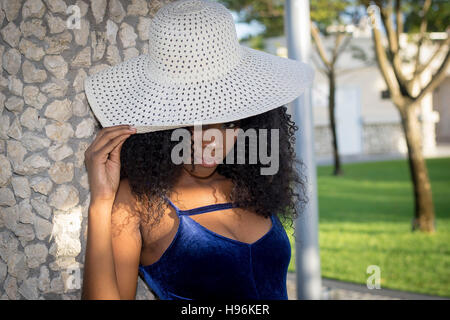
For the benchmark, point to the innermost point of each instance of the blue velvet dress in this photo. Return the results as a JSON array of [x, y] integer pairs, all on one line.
[[201, 264]]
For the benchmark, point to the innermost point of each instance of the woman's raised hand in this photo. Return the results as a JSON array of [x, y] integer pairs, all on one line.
[[102, 160]]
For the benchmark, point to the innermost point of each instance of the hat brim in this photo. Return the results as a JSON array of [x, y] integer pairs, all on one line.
[[127, 94]]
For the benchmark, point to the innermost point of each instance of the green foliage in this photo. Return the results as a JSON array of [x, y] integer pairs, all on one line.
[[328, 12], [438, 17], [270, 13], [256, 42]]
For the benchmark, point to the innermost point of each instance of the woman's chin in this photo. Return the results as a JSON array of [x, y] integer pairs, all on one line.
[[211, 164], [205, 163]]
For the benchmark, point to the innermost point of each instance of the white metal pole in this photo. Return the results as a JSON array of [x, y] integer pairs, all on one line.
[[307, 258]]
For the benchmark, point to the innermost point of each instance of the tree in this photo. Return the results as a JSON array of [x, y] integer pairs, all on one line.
[[407, 91], [324, 13], [342, 39]]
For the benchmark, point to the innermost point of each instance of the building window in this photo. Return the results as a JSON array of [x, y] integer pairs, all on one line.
[[385, 94]]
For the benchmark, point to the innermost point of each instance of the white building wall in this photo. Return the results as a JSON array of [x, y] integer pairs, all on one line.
[[380, 121]]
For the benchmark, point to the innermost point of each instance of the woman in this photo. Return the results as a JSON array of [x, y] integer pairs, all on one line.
[[201, 230]]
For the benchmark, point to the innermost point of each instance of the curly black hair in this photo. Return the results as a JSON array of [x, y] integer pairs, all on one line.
[[146, 162]]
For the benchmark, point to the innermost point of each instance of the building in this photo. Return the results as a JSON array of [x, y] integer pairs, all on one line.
[[366, 119]]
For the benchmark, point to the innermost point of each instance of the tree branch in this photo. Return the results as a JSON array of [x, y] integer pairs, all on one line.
[[318, 66], [386, 18], [337, 42], [319, 45], [345, 43], [385, 67], [423, 30], [443, 45], [436, 79], [398, 6]]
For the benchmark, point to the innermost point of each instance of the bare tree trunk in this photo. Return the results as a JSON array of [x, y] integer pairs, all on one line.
[[401, 88], [332, 115], [423, 205]]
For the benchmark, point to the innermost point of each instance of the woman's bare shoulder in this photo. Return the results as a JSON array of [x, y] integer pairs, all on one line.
[[125, 206], [150, 233]]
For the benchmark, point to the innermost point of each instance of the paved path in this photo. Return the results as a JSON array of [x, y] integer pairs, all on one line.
[[340, 290]]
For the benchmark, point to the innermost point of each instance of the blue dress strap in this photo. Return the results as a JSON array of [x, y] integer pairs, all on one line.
[[203, 209]]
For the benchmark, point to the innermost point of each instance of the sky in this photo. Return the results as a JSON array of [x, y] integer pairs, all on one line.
[[243, 29]]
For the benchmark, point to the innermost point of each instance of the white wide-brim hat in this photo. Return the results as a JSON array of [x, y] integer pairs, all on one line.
[[195, 72]]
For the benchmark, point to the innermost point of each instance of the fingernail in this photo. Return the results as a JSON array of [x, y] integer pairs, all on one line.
[[132, 128]]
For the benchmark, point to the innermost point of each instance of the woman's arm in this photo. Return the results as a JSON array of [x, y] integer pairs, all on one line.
[[99, 279], [113, 249], [102, 160]]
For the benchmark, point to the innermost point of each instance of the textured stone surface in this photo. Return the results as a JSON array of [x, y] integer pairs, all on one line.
[[40, 205], [36, 254], [64, 197], [45, 128], [41, 185], [78, 82], [34, 97], [59, 132], [60, 110], [82, 34], [59, 152], [60, 42], [56, 88], [98, 10], [32, 74], [113, 55], [56, 6], [137, 7], [61, 172], [11, 34], [143, 28], [15, 130], [15, 86], [116, 11], [56, 65], [55, 24], [33, 27], [111, 31], [21, 187], [127, 35], [30, 120], [11, 8], [33, 9], [5, 173], [82, 59], [85, 129], [130, 53], [31, 50], [98, 44], [11, 61], [35, 163], [14, 104]]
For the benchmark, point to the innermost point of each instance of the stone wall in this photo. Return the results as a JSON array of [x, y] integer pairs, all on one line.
[[377, 138], [45, 127]]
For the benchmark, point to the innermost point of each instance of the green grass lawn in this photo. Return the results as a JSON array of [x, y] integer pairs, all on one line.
[[365, 219]]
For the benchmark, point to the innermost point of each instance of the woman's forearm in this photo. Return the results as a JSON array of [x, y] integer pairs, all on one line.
[[99, 279]]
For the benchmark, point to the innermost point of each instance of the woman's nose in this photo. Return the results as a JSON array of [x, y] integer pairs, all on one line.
[[204, 141]]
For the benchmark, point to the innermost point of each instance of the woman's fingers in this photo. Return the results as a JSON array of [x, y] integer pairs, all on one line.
[[109, 147], [108, 129], [109, 135], [115, 153], [113, 128]]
